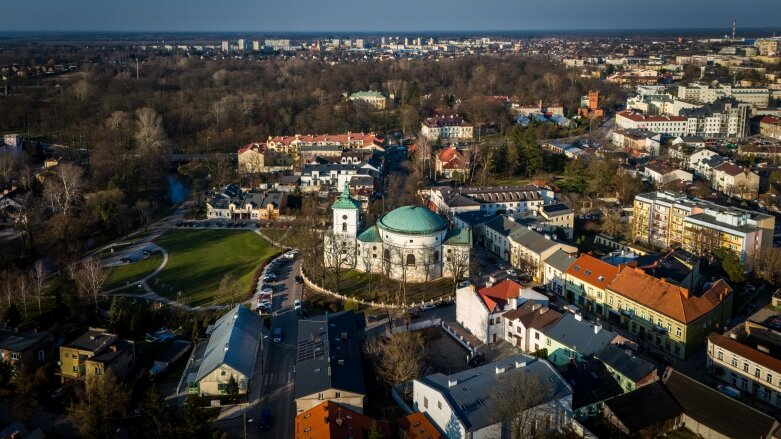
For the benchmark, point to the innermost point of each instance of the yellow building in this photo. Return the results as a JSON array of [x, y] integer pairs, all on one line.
[[669, 317], [94, 353]]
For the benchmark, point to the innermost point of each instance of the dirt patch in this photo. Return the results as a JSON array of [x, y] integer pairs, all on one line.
[[445, 355]]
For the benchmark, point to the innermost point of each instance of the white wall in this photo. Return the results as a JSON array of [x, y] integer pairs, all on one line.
[[471, 313]]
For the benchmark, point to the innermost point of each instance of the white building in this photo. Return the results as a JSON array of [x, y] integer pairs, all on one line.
[[661, 173], [409, 243], [511, 199], [464, 405], [447, 128], [757, 97]]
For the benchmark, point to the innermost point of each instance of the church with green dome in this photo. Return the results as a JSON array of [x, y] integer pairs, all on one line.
[[410, 243]]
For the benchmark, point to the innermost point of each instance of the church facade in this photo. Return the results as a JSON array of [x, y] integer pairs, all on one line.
[[411, 243]]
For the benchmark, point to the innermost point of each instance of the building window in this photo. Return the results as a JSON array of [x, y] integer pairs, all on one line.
[[734, 362], [439, 405], [537, 336], [386, 255], [410, 259], [678, 331], [436, 256], [757, 372], [720, 356], [769, 378], [337, 394], [745, 366], [344, 227], [425, 402], [320, 396]]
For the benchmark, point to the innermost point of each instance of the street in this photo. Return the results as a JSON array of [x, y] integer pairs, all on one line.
[[276, 376]]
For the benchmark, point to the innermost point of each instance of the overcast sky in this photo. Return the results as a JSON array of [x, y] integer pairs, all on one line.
[[382, 15]]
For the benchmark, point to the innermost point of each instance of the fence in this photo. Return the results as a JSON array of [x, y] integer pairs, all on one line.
[[309, 283], [460, 339], [416, 326]]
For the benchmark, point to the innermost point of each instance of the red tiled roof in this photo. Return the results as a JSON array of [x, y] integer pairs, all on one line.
[[729, 169], [770, 119], [452, 158], [367, 139], [260, 146], [499, 294], [418, 426], [592, 271], [631, 115], [665, 298], [745, 351], [330, 420]]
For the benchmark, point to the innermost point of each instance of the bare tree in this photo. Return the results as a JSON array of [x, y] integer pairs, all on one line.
[[457, 264], [38, 277], [339, 254], [230, 289], [524, 404], [24, 290], [144, 211], [423, 156], [398, 358], [8, 278], [9, 163], [64, 187], [90, 277]]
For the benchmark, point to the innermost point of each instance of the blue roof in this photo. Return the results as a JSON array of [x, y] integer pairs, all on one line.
[[233, 342]]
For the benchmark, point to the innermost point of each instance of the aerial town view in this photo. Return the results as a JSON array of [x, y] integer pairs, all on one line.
[[390, 220]]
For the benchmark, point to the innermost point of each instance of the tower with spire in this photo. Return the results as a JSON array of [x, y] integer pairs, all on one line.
[[346, 214]]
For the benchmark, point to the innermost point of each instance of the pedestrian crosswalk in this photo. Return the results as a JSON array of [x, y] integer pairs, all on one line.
[[275, 379]]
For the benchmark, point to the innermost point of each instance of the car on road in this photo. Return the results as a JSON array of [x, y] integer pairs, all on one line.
[[299, 279], [146, 252], [427, 307], [267, 289], [296, 304], [511, 272], [257, 225], [179, 224], [125, 260], [264, 422], [276, 335], [463, 284], [270, 277], [444, 303]]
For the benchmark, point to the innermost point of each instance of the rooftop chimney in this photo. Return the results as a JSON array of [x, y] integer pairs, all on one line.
[[520, 364], [597, 328], [452, 382], [579, 317], [500, 369]]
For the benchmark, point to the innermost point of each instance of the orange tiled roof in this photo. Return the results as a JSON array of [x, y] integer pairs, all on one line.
[[593, 271], [452, 158], [260, 146], [499, 294], [418, 426], [330, 420], [665, 298]]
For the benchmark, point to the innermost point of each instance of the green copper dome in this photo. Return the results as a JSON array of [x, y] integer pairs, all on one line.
[[344, 201], [412, 220]]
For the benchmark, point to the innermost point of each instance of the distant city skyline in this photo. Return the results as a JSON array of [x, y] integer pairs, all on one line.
[[401, 16]]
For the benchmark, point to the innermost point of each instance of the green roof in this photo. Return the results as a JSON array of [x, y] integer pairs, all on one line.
[[370, 235], [458, 237], [412, 220], [344, 201]]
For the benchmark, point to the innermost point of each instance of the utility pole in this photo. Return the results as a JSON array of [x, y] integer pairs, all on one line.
[[136, 69]]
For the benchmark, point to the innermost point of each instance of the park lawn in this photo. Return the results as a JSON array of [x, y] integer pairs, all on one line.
[[127, 274], [372, 287], [198, 260]]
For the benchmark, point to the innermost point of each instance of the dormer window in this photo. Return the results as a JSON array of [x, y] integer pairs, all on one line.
[[577, 268], [588, 272]]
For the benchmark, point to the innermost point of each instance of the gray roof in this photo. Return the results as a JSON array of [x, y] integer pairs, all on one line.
[[556, 209], [520, 234], [625, 362], [580, 336], [14, 342], [233, 342], [329, 354], [474, 217], [328, 167], [472, 399], [92, 340], [560, 260]]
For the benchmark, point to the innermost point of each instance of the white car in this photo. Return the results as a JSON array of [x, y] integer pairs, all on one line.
[[297, 305], [427, 307], [511, 272]]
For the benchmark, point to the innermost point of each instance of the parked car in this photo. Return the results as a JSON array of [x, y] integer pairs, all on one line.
[[296, 304], [125, 260], [476, 360], [463, 284], [444, 303], [299, 279], [511, 272], [729, 391], [264, 422], [270, 277], [276, 335], [427, 307], [267, 289]]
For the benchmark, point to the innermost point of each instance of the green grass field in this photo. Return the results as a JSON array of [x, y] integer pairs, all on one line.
[[198, 260], [122, 274]]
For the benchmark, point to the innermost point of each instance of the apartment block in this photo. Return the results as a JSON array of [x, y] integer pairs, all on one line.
[[447, 128], [668, 219], [705, 93]]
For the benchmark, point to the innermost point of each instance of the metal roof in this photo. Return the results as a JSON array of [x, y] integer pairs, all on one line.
[[412, 220], [581, 336], [473, 396], [233, 342], [328, 355]]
